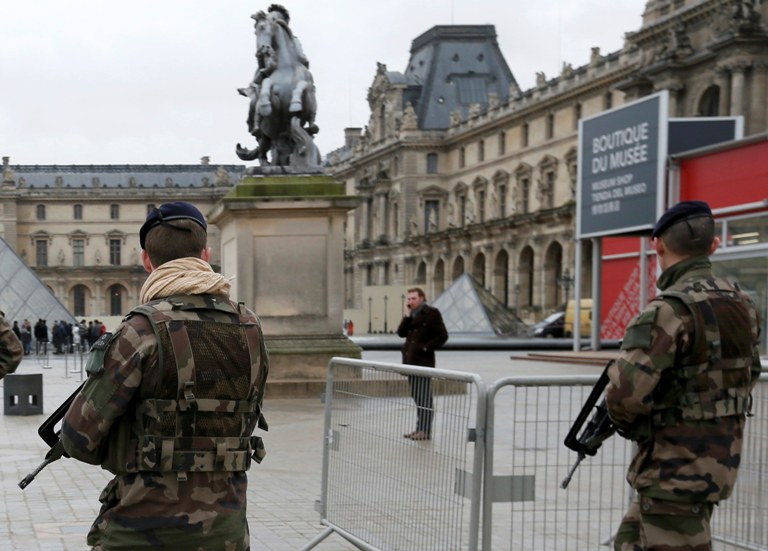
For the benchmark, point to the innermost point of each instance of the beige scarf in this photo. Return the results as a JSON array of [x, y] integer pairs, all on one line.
[[183, 276]]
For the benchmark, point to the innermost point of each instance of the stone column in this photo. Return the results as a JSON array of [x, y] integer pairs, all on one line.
[[98, 301], [722, 80], [757, 112], [737, 91]]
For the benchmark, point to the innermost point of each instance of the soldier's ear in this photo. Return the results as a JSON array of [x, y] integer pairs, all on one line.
[[206, 254], [714, 246], [145, 261]]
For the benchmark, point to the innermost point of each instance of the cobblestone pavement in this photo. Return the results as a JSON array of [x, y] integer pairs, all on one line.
[[55, 511]]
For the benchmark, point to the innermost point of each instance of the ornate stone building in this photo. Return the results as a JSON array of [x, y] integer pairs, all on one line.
[[78, 226], [459, 170]]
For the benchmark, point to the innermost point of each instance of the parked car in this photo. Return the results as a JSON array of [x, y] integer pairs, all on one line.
[[550, 327]]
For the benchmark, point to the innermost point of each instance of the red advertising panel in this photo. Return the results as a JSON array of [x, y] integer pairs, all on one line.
[[734, 176], [726, 178]]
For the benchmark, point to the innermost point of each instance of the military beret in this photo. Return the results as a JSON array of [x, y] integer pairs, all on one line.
[[168, 212], [681, 211]]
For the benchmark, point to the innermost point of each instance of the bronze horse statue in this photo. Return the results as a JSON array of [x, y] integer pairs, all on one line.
[[282, 109]]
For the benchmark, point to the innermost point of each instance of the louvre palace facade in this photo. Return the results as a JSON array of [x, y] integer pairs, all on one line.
[[78, 226], [459, 170]]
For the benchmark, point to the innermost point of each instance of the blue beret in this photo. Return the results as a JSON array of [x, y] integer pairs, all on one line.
[[681, 211], [168, 212]]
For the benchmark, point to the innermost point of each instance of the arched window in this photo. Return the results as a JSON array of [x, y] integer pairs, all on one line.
[[458, 268], [79, 293], [77, 213], [40, 211], [421, 273], [709, 104], [478, 269], [116, 294]]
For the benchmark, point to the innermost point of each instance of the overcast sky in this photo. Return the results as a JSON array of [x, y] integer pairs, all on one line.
[[155, 81]]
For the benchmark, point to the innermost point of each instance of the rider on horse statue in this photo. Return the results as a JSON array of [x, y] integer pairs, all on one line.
[[282, 96]]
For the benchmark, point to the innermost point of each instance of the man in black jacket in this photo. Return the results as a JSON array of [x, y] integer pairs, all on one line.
[[424, 332]]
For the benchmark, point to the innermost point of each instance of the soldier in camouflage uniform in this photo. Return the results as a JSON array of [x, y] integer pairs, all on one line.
[[681, 388], [172, 399], [11, 351]]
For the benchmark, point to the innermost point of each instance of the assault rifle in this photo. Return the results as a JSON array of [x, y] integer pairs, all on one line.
[[52, 437], [598, 429]]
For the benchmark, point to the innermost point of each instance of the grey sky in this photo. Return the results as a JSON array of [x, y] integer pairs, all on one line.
[[155, 81]]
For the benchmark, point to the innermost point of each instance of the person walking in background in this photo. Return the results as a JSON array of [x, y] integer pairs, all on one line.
[[424, 332], [681, 388], [26, 337], [11, 352], [171, 402], [41, 337]]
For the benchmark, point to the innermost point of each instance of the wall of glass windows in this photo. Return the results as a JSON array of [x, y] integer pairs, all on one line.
[[743, 256]]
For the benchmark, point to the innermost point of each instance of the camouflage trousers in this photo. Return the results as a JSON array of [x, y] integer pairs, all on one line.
[[657, 525]]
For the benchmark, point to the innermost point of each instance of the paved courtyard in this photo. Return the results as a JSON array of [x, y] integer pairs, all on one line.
[[56, 510]]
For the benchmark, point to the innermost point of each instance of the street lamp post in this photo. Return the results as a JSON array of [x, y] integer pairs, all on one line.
[[370, 325], [385, 313]]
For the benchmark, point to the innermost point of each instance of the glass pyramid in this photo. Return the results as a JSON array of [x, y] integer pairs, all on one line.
[[469, 308], [23, 295]]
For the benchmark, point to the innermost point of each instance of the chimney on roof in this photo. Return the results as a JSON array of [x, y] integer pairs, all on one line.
[[205, 161]]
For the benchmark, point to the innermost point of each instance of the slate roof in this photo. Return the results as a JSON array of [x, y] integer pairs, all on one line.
[[452, 67], [122, 176]]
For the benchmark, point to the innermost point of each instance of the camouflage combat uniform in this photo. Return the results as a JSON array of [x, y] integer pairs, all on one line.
[[11, 351], [680, 389], [172, 399]]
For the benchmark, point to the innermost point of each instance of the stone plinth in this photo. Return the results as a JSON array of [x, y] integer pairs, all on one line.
[[282, 238]]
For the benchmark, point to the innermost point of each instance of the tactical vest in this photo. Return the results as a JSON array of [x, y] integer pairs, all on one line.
[[713, 380], [206, 394]]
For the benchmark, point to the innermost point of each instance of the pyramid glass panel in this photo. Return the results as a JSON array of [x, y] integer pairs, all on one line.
[[469, 308], [23, 295]]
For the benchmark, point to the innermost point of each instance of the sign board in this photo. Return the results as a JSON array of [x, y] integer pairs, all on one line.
[[622, 156], [695, 132]]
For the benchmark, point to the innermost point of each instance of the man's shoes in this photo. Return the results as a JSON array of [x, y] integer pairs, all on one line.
[[419, 435], [410, 434]]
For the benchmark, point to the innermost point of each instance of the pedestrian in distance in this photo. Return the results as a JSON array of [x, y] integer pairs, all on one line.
[[171, 401], [680, 389], [11, 351], [424, 332]]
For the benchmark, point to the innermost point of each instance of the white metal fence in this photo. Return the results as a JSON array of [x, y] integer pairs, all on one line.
[[383, 491], [524, 507]]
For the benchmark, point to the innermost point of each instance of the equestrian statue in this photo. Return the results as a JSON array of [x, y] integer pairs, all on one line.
[[282, 105]]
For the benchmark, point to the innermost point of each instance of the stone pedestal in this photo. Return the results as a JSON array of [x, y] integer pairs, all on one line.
[[282, 238]]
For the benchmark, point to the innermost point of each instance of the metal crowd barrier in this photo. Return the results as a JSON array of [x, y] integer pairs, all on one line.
[[524, 507], [502, 446], [383, 491], [741, 522]]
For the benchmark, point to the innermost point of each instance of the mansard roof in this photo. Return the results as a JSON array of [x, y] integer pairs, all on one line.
[[456, 66], [122, 176]]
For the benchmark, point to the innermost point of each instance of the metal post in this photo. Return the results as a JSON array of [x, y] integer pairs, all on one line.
[[385, 313], [566, 281], [370, 324]]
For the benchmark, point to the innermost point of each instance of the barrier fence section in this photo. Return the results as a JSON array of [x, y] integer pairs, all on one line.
[[524, 507], [383, 491], [741, 522]]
